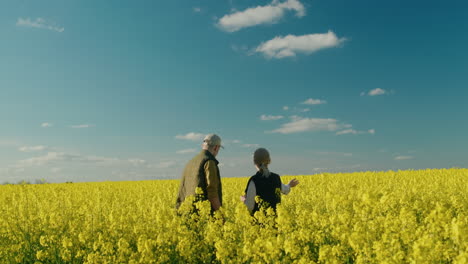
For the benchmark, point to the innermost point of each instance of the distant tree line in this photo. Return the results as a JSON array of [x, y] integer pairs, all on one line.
[[25, 182]]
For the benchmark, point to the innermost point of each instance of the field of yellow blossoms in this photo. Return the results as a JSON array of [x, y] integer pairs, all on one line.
[[367, 217]]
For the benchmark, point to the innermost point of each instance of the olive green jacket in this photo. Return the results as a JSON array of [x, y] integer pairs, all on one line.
[[202, 171]]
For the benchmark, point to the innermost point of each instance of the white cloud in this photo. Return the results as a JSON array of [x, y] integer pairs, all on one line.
[[56, 170], [403, 157], [312, 101], [319, 169], [231, 141], [164, 164], [259, 15], [185, 151], [32, 148], [270, 117], [374, 92], [197, 9], [137, 162], [285, 108], [250, 145], [228, 165], [301, 124], [38, 23], [304, 110], [327, 153], [290, 45], [46, 124], [347, 131], [9, 143], [191, 136], [94, 159], [42, 160], [51, 157], [355, 132], [82, 126], [377, 91]]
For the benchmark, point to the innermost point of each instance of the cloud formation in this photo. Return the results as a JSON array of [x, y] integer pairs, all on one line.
[[403, 157], [38, 23], [164, 164], [9, 143], [302, 124], [290, 45], [270, 117], [192, 136], [54, 158], [375, 92], [355, 132], [332, 153], [46, 124], [312, 101], [51, 157], [82, 126], [32, 148], [268, 14], [185, 151], [137, 162], [250, 145]]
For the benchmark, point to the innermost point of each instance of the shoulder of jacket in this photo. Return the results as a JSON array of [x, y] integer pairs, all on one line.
[[209, 163], [212, 161]]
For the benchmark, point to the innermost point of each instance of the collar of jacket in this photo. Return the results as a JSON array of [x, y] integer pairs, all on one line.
[[208, 153]]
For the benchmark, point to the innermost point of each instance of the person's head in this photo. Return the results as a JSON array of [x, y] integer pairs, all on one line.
[[212, 143], [261, 160]]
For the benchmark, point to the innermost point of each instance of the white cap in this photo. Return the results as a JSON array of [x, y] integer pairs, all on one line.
[[212, 140]]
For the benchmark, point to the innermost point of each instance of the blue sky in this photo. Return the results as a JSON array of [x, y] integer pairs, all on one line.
[[124, 90]]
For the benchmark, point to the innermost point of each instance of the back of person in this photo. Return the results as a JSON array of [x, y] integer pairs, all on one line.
[[202, 172], [264, 184], [192, 178], [268, 190]]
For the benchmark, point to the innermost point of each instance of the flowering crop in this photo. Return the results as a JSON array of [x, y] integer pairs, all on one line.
[[367, 217]]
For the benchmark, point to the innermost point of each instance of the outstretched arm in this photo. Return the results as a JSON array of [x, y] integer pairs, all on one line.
[[286, 188], [293, 183]]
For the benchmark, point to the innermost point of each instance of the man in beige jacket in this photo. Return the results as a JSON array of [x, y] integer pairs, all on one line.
[[202, 172]]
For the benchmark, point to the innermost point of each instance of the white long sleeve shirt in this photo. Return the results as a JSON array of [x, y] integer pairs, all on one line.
[[252, 192]]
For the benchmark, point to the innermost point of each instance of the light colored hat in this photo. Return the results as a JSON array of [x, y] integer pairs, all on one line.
[[212, 140], [261, 156]]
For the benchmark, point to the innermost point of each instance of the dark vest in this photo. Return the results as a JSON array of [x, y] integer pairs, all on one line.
[[268, 188], [194, 176]]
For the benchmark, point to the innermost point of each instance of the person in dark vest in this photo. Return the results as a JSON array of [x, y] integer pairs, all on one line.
[[265, 184], [203, 172]]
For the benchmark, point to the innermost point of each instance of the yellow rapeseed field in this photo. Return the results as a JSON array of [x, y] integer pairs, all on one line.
[[367, 217]]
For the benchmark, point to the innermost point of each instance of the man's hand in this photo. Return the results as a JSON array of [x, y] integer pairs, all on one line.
[[293, 183], [215, 203], [242, 198]]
